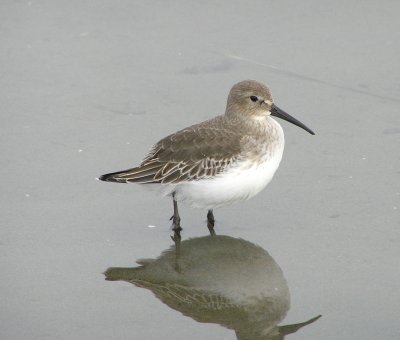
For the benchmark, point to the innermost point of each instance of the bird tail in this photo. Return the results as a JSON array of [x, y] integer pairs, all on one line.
[[141, 174]]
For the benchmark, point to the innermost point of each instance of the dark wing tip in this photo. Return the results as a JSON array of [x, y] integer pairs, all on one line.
[[142, 175], [105, 178], [112, 177]]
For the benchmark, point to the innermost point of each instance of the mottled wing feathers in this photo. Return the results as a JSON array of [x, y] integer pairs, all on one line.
[[200, 151]]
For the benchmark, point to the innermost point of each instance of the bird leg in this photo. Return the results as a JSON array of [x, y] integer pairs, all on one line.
[[176, 221], [210, 222]]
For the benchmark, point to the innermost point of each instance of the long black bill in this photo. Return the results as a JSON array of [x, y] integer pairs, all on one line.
[[277, 112]]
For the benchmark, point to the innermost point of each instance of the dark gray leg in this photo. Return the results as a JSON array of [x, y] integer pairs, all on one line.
[[176, 221], [210, 222]]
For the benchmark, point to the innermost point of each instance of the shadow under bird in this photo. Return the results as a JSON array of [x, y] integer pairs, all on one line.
[[226, 159]]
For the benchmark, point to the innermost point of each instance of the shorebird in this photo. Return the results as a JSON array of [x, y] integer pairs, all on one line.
[[226, 159]]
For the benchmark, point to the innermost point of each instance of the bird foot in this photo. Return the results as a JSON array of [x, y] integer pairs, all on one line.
[[176, 237], [210, 227], [176, 227], [176, 223], [210, 223]]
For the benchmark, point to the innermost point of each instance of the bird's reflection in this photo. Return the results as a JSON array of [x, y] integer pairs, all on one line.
[[218, 279]]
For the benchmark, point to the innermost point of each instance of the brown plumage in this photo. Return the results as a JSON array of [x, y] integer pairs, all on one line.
[[220, 161], [196, 152]]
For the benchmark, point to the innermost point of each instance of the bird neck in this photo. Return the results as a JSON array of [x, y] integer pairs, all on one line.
[[247, 121]]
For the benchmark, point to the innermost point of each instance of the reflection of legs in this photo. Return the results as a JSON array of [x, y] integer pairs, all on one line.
[[176, 221], [177, 239], [210, 222]]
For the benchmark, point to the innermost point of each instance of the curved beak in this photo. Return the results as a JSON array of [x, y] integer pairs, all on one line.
[[277, 112]]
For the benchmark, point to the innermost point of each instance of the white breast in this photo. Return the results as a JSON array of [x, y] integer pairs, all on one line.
[[241, 182]]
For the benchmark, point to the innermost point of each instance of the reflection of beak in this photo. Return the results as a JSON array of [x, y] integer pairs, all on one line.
[[277, 112]]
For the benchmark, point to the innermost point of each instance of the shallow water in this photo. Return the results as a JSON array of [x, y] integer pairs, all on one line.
[[87, 88]]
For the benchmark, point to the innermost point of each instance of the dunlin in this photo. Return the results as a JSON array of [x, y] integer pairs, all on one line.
[[223, 160]]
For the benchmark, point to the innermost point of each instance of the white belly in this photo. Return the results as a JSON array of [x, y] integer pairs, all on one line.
[[236, 185], [239, 183]]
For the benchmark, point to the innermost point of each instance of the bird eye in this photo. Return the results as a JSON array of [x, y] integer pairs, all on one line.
[[253, 98]]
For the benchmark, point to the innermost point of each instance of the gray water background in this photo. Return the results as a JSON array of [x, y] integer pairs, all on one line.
[[88, 86]]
